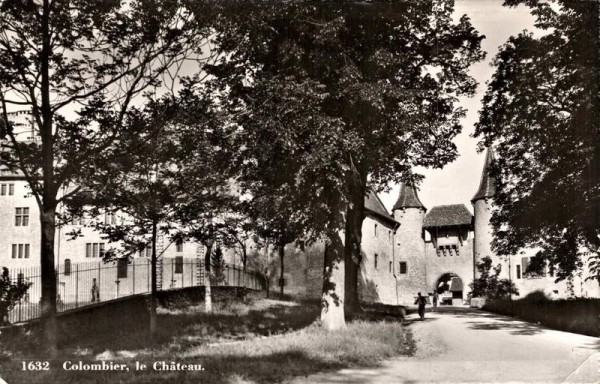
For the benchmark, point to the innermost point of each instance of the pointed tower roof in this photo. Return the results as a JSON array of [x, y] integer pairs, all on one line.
[[487, 186], [408, 198]]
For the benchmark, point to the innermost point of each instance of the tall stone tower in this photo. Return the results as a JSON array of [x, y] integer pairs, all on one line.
[[409, 245], [482, 207]]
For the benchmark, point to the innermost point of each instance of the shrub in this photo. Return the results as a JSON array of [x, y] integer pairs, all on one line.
[[488, 284], [10, 293]]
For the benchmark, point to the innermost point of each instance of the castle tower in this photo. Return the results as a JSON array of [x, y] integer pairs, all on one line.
[[410, 264], [482, 207]]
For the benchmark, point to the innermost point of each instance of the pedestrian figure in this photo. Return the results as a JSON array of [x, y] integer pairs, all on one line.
[[435, 300], [95, 291], [421, 301]]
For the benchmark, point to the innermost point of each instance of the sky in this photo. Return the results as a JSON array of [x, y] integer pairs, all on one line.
[[457, 182]]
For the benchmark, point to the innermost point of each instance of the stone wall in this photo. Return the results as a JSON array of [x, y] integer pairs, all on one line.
[[482, 246], [459, 263], [410, 248], [376, 280]]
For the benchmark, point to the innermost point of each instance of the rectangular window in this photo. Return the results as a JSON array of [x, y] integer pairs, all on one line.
[[11, 189], [524, 264], [94, 249], [109, 218], [3, 189], [179, 264], [22, 217], [375, 231], [403, 267], [146, 251], [375, 259], [518, 271], [20, 251], [179, 246], [390, 267], [122, 268]]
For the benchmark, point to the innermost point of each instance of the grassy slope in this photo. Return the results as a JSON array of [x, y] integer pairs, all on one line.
[[231, 345]]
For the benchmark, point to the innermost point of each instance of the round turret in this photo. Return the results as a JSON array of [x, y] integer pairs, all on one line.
[[483, 209]]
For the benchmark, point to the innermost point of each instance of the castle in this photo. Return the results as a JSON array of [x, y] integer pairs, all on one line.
[[419, 250], [411, 250]]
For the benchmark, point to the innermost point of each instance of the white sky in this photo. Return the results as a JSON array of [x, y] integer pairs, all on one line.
[[457, 182]]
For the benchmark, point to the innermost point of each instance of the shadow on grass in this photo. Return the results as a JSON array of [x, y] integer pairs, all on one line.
[[268, 360], [183, 329]]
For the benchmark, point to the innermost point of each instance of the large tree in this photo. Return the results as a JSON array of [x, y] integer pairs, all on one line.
[[77, 67], [346, 94], [541, 114], [138, 181]]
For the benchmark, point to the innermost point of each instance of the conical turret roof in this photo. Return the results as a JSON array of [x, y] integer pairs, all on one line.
[[408, 198], [487, 186]]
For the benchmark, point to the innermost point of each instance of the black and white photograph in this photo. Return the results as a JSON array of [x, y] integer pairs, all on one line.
[[295, 191]]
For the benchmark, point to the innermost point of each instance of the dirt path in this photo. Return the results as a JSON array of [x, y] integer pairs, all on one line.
[[463, 345]]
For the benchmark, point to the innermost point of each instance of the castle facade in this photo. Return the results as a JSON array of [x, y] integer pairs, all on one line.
[[415, 249]]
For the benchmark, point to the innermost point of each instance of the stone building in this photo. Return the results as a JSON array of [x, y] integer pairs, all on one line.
[[415, 250]]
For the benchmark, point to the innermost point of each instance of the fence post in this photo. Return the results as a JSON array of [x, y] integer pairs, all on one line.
[[21, 299], [76, 285], [99, 280], [148, 275]]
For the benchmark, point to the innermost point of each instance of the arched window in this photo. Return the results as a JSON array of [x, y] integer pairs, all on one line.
[[67, 267]]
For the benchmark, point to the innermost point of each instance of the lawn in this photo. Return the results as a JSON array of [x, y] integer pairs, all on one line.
[[263, 341]]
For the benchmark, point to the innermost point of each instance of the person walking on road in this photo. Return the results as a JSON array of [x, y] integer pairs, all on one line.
[[421, 301], [435, 300]]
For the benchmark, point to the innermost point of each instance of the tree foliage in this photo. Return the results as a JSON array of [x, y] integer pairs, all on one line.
[[338, 93], [541, 113], [10, 292], [487, 284], [78, 67]]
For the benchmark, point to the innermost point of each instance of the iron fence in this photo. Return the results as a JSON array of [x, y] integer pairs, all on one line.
[[87, 283]]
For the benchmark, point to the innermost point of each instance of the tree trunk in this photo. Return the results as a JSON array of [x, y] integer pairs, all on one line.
[[357, 185], [48, 224], [207, 280], [281, 268], [47, 203], [154, 285], [352, 249], [244, 258], [267, 285], [332, 302]]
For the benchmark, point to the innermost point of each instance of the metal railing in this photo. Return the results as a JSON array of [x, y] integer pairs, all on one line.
[[87, 283]]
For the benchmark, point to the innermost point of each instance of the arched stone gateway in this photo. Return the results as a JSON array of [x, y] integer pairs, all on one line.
[[450, 289]]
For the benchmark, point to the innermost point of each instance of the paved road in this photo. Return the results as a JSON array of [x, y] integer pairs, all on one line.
[[463, 345]]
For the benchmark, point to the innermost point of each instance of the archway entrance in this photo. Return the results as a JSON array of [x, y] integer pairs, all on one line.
[[450, 289]]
